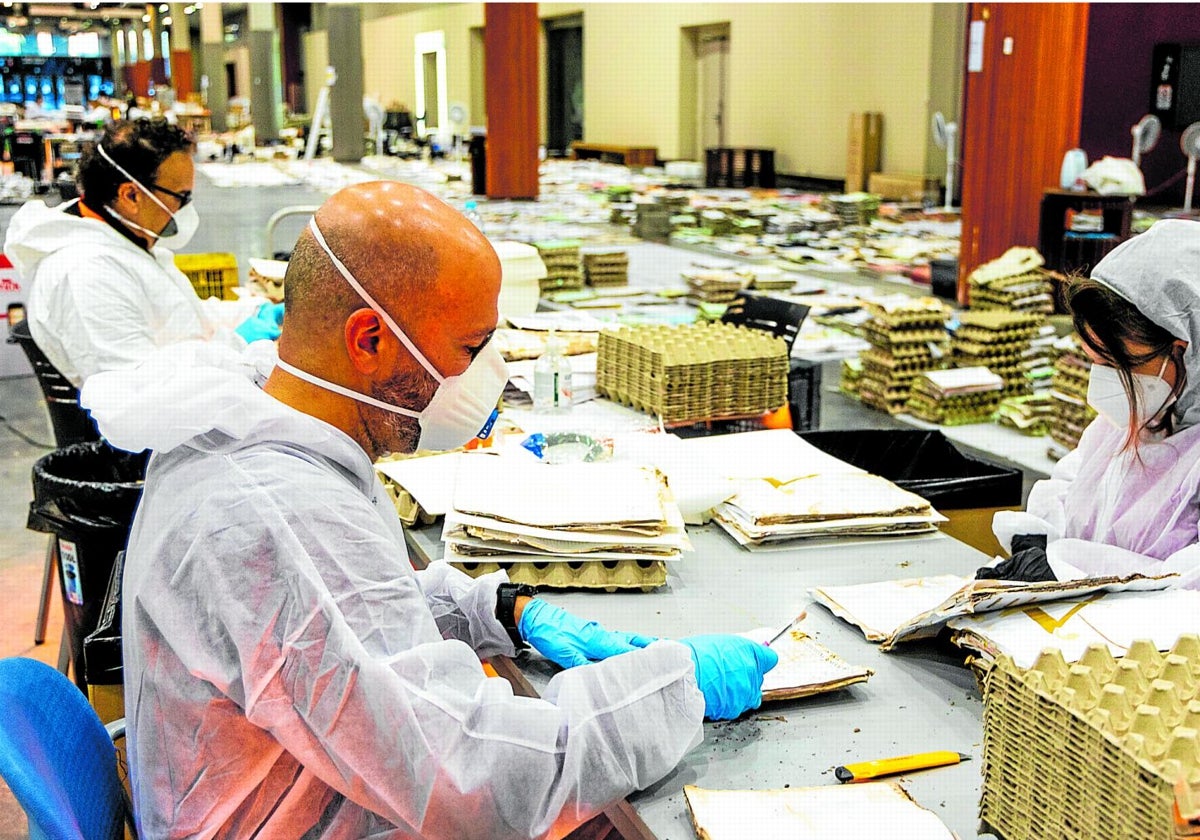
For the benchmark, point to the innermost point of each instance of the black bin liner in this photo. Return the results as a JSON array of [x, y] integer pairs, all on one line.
[[86, 494], [102, 659], [925, 463]]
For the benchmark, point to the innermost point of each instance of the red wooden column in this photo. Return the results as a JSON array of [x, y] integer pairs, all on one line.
[[510, 40], [1023, 103]]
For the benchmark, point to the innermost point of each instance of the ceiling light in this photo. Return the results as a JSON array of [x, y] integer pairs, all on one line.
[[145, 18], [167, 21], [187, 10], [164, 7]]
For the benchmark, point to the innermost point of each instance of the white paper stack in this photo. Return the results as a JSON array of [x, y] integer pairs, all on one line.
[[514, 510], [823, 505]]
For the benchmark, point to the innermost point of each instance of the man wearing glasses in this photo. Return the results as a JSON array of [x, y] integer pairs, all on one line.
[[104, 289]]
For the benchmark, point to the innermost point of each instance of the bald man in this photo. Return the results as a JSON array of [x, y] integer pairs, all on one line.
[[286, 672]]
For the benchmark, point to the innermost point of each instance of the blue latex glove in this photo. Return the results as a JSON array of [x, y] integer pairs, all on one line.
[[272, 312], [570, 641], [729, 672], [264, 323]]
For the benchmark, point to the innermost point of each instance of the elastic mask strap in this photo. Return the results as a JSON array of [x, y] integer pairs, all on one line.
[[387, 319], [140, 185], [345, 392]]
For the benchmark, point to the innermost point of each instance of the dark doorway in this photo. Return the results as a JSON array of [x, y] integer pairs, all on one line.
[[564, 83], [231, 80]]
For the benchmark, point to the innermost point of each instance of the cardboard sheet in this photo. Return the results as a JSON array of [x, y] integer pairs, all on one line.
[[838, 812], [806, 667], [895, 611], [429, 480], [1116, 619]]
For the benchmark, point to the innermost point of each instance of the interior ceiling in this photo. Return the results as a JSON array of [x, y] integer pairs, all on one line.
[[73, 16]]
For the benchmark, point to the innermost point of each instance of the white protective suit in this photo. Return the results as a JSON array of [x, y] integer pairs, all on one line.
[[1106, 511], [99, 302], [287, 674]]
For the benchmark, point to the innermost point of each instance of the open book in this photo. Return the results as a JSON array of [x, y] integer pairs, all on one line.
[[894, 611], [873, 809]]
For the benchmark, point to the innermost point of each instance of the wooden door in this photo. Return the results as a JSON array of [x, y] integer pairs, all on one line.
[[1023, 101]]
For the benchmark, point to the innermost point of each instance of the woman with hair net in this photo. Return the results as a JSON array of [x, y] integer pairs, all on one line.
[[1127, 499], [287, 674]]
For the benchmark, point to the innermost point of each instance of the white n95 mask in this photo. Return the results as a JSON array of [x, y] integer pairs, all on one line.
[[462, 407], [1107, 395], [181, 226]]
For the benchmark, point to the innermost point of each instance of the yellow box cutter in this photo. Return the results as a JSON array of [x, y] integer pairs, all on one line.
[[864, 770]]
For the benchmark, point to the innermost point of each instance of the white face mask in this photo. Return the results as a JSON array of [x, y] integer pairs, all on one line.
[[180, 227], [1107, 395], [463, 407]]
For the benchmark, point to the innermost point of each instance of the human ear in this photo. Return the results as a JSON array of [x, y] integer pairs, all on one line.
[[363, 330]]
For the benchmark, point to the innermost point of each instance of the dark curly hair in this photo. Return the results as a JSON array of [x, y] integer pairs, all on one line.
[[139, 146]]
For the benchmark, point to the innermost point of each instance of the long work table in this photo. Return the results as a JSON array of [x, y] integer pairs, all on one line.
[[921, 698]]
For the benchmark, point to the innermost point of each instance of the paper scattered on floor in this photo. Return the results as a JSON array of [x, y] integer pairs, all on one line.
[[894, 611], [837, 812], [231, 175]]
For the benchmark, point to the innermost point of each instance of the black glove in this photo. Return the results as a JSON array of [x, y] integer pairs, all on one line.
[[1028, 562]]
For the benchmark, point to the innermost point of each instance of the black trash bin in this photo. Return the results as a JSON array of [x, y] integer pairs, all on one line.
[[477, 148], [967, 490], [85, 494]]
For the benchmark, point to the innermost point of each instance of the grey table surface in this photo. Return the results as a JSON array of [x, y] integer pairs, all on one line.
[[920, 698]]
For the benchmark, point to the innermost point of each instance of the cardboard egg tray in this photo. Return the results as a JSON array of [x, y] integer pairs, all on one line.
[[607, 268], [717, 285], [1068, 392], [853, 208], [1031, 292], [899, 366], [928, 403], [562, 261], [913, 313], [882, 336], [693, 372], [1103, 748], [852, 374], [1030, 415], [609, 575]]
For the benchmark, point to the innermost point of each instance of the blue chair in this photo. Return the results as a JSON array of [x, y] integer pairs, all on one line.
[[57, 757]]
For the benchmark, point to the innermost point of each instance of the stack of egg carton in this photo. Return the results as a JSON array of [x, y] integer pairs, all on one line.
[[653, 219], [908, 337], [1068, 393], [561, 258], [857, 208], [1030, 415], [606, 268], [1000, 341], [716, 285], [693, 372], [955, 397], [1015, 281], [1103, 748]]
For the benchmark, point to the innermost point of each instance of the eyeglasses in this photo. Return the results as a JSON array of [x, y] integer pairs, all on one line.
[[184, 198]]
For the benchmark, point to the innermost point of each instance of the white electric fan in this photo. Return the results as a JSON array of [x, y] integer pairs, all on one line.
[[1145, 137], [1190, 143], [945, 135], [459, 124]]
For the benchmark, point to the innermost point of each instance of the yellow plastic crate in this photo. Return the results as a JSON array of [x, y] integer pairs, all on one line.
[[212, 275]]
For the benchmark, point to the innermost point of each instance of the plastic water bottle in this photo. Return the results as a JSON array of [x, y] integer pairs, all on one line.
[[552, 390], [470, 210]]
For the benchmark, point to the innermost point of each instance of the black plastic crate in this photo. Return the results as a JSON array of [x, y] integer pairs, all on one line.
[[804, 394], [927, 464]]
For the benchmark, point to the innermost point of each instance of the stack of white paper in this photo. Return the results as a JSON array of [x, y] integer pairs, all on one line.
[[515, 510], [823, 505]]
